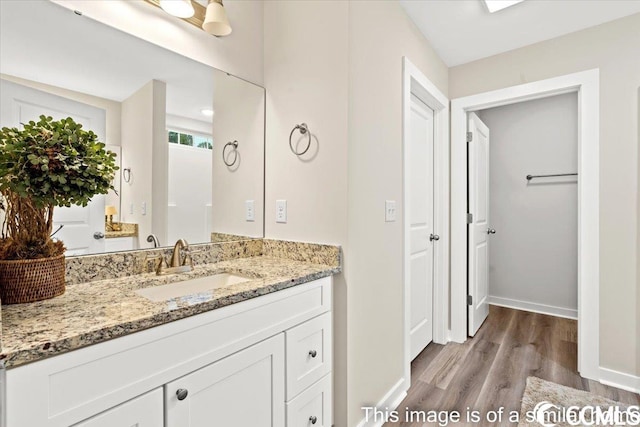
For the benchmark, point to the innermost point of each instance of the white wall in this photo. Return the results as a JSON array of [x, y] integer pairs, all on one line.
[[533, 257], [240, 53], [239, 116], [189, 214], [613, 48], [144, 150]]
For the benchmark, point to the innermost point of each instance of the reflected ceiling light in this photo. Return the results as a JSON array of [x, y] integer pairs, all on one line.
[[216, 21], [496, 5], [207, 112], [179, 8]]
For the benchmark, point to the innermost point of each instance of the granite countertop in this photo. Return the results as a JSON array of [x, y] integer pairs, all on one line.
[[125, 230], [90, 313]]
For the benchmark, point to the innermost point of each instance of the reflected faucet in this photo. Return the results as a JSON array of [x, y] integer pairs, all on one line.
[[176, 257], [152, 238]]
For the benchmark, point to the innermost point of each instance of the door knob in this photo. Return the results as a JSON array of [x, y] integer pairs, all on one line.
[[182, 393], [313, 353], [491, 231], [98, 235], [434, 237], [313, 419]]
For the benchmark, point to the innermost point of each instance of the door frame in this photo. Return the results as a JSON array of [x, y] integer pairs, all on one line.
[[586, 84], [416, 83]]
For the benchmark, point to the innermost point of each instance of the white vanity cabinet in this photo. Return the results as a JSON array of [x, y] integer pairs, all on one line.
[[143, 411], [244, 389], [261, 362]]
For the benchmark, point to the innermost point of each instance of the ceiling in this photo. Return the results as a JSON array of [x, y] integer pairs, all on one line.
[[52, 45], [462, 31]]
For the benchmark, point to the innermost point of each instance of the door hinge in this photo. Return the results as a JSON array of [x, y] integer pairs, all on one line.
[[469, 218], [469, 136], [469, 300]]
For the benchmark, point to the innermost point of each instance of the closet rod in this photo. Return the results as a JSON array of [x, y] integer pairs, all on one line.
[[530, 177]]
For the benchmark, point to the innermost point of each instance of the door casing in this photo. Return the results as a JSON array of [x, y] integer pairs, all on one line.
[[586, 84]]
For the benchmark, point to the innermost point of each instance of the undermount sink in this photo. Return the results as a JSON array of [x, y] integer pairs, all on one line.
[[191, 287]]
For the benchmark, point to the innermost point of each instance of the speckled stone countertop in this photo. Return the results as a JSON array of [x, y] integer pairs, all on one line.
[[125, 230], [93, 312]]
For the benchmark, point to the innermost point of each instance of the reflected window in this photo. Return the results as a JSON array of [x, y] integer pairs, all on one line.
[[190, 139]]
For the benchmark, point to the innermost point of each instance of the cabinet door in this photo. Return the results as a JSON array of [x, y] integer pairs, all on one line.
[[143, 411], [245, 389]]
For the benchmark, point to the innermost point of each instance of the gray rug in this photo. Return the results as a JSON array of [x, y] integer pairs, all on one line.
[[538, 391]]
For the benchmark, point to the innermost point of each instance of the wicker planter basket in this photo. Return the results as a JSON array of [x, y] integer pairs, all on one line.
[[30, 280]]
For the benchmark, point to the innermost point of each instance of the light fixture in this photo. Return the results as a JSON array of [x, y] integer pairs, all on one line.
[[207, 112], [179, 8], [109, 212], [216, 21], [496, 5]]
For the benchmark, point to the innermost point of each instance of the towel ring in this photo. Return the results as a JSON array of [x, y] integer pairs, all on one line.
[[233, 144], [126, 175], [304, 129]]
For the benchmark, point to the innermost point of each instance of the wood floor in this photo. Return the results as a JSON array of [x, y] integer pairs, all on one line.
[[490, 370]]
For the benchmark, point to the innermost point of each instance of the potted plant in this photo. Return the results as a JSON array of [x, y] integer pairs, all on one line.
[[48, 163]]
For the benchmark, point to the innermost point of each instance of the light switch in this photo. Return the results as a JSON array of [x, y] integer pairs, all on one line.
[[143, 209], [389, 210], [249, 208], [131, 208], [281, 211]]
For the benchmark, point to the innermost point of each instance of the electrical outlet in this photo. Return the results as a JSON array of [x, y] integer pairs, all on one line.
[[390, 210], [281, 211], [249, 210], [143, 209]]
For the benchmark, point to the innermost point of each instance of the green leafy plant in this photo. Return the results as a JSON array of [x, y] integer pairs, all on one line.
[[48, 163]]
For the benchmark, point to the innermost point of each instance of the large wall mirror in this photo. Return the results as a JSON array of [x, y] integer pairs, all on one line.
[[189, 139]]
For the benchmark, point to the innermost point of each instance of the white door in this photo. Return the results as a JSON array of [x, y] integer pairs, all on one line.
[[20, 104], [245, 389], [420, 234], [143, 411], [479, 228]]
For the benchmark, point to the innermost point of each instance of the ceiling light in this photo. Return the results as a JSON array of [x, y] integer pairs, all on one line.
[[216, 21], [496, 5], [179, 8], [207, 112]]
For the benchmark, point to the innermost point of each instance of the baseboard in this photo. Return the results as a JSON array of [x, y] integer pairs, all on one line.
[[620, 380], [533, 307], [390, 402]]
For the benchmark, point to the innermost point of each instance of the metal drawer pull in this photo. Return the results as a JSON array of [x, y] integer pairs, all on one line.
[[313, 419], [313, 353], [182, 393]]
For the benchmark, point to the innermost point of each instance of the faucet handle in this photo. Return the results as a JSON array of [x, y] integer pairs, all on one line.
[[160, 258]]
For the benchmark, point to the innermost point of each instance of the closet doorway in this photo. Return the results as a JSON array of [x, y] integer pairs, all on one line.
[[586, 87]]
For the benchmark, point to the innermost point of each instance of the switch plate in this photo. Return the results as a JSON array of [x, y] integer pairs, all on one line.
[[143, 209], [389, 210], [281, 211], [131, 208], [249, 210]]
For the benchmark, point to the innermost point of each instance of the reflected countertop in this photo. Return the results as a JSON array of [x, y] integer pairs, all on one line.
[[94, 312]]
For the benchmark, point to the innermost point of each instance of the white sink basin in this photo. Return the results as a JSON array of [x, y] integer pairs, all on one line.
[[191, 287]]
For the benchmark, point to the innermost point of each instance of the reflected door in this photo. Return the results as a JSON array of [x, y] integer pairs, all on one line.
[[82, 227]]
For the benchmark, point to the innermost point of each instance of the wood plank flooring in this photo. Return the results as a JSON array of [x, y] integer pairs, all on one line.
[[491, 369]]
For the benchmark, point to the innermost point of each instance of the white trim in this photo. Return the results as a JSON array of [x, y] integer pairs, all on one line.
[[586, 83], [389, 402], [567, 313], [414, 81], [620, 380]]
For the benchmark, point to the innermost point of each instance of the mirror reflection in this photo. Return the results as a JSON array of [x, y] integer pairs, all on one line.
[[189, 139]]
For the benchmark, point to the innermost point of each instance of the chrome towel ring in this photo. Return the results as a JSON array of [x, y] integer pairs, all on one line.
[[304, 129], [126, 175], [233, 144]]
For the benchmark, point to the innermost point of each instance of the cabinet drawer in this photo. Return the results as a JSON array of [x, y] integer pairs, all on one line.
[[312, 408], [308, 353]]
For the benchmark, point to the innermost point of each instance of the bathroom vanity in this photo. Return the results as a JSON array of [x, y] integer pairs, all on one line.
[[255, 351]]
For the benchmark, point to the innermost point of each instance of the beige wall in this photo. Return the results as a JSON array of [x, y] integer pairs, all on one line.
[[145, 151], [614, 49], [239, 116], [240, 53], [374, 262], [306, 76]]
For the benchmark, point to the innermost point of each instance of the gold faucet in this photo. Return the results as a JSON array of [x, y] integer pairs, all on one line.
[[176, 260]]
